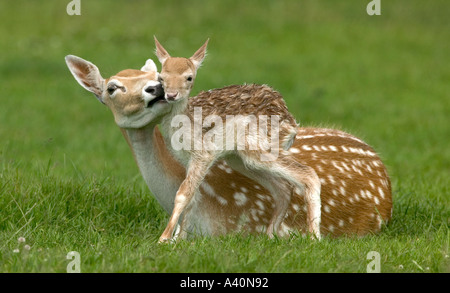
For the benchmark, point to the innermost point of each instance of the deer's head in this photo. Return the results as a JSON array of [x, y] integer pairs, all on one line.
[[135, 97], [178, 74]]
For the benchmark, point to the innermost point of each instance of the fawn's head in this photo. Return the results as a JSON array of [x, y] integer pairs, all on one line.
[[135, 97], [178, 74]]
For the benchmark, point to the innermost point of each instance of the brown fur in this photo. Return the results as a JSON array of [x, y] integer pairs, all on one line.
[[244, 100], [177, 65]]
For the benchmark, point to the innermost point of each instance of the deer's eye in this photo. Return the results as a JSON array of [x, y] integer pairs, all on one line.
[[111, 90], [189, 78]]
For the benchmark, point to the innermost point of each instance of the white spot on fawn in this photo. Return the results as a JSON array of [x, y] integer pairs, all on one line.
[[331, 178], [345, 166], [319, 168], [380, 221], [208, 188], [240, 198], [222, 200], [337, 167], [294, 150], [369, 153], [380, 191], [377, 201], [363, 194], [260, 204], [306, 148]]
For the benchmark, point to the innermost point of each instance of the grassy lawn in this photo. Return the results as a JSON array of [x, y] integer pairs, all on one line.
[[68, 181]]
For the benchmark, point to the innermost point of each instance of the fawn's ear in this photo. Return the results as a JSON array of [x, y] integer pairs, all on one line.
[[149, 66], [161, 53], [198, 56], [87, 75]]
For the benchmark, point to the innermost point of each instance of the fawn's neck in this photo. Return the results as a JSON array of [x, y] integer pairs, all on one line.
[[170, 124]]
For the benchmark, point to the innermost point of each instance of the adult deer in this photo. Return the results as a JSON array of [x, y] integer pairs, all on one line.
[[261, 156], [355, 193]]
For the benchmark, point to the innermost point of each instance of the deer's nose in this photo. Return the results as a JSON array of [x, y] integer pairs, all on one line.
[[154, 90], [171, 96]]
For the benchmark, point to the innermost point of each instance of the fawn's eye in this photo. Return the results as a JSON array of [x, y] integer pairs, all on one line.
[[189, 78]]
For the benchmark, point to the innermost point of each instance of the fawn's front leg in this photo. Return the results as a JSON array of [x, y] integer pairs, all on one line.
[[198, 168]]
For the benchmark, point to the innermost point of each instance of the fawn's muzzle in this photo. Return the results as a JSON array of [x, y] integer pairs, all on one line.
[[171, 96]]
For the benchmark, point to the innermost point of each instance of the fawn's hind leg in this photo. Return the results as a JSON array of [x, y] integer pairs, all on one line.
[[288, 173], [275, 185], [310, 188]]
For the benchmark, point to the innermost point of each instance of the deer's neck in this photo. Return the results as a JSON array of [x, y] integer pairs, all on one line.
[[160, 171]]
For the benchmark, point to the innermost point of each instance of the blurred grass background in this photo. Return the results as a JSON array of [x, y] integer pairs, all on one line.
[[384, 78]]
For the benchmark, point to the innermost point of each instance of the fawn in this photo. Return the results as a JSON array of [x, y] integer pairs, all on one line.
[[281, 174]]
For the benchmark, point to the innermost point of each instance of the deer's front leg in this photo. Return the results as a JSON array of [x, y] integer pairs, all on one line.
[[196, 172]]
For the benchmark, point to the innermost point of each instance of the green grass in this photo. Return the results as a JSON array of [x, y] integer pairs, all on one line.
[[68, 181]]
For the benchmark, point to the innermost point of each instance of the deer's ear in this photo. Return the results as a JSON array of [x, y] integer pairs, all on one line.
[[199, 56], [161, 53], [149, 66], [87, 75]]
